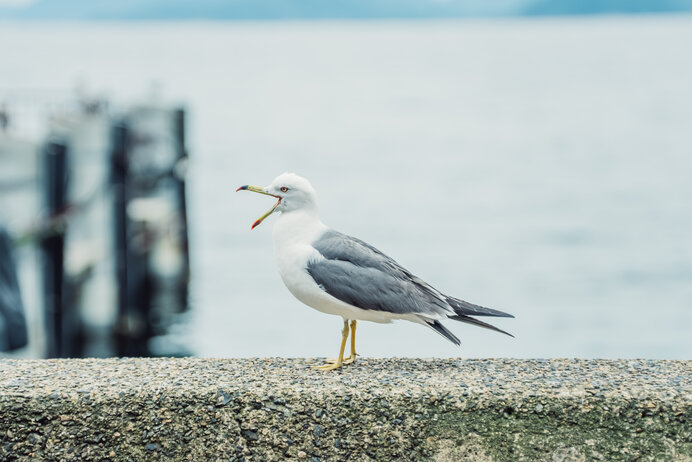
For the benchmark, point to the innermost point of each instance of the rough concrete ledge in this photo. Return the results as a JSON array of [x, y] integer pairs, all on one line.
[[395, 409]]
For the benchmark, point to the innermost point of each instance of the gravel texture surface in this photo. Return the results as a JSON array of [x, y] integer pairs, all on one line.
[[376, 409]]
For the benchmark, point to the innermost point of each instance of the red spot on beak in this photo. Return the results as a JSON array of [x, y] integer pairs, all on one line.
[[255, 224]]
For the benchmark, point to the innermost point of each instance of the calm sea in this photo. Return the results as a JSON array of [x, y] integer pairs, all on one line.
[[538, 166]]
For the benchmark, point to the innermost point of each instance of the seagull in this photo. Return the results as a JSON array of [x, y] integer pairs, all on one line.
[[341, 275]]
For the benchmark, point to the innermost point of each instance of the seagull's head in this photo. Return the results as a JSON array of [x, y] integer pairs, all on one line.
[[292, 191]]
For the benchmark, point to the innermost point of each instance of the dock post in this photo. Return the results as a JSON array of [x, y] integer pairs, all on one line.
[[53, 245], [180, 184], [119, 168]]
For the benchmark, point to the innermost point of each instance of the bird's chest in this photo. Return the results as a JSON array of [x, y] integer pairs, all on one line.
[[292, 263], [293, 237]]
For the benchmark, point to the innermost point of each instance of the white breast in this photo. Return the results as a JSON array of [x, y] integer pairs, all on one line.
[[293, 235]]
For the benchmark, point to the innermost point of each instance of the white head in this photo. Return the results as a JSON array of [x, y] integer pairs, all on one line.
[[294, 193]]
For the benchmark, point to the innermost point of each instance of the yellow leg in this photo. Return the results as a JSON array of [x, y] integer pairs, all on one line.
[[353, 355], [331, 365]]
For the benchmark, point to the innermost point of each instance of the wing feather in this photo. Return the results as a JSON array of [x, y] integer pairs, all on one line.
[[357, 273]]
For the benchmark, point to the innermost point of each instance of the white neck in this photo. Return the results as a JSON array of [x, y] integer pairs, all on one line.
[[301, 226]]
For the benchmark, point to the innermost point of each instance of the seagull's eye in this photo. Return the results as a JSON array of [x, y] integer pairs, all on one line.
[[284, 189]]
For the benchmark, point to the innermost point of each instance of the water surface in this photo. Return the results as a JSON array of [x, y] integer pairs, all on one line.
[[538, 166]]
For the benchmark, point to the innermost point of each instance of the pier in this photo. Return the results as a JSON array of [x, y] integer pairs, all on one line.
[[377, 409], [94, 201]]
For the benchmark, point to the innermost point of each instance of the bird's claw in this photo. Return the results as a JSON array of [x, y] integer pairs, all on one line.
[[350, 360], [328, 366]]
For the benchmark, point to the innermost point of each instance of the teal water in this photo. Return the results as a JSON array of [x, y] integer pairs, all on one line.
[[541, 167]]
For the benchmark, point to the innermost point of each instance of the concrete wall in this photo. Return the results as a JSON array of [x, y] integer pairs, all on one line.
[[397, 409]]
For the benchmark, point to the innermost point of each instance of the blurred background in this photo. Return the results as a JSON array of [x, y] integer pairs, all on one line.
[[527, 155]]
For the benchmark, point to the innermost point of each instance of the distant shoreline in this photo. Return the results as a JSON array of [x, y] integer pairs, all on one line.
[[292, 10]]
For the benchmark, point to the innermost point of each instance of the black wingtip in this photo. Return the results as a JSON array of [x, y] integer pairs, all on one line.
[[442, 330], [476, 322], [463, 308]]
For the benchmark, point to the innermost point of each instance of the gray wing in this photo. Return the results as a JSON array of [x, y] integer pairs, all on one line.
[[359, 274]]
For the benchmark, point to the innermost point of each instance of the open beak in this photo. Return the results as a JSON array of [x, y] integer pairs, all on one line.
[[257, 189]]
